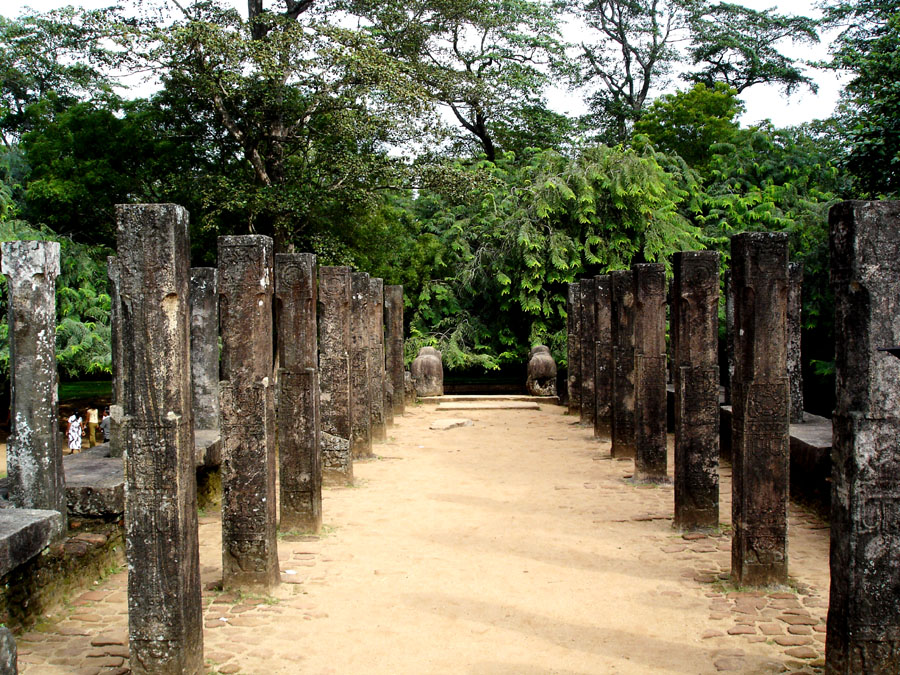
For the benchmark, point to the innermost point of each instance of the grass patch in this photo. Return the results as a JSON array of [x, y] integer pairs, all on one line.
[[85, 389]]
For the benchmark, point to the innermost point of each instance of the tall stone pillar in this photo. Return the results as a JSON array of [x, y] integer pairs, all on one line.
[[393, 340], [650, 461], [588, 341], [249, 546], [794, 327], [297, 413], [603, 371], [164, 606], [622, 313], [863, 613], [759, 393], [116, 352], [375, 310], [34, 460], [360, 394], [695, 373], [573, 354], [729, 335], [334, 374], [205, 346]]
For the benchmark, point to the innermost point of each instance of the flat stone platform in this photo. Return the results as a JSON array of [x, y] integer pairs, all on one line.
[[490, 405], [24, 533], [490, 398]]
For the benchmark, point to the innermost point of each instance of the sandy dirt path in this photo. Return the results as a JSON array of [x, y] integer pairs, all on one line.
[[513, 546]]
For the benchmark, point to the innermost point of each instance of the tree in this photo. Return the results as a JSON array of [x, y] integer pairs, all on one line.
[[482, 60], [738, 46]]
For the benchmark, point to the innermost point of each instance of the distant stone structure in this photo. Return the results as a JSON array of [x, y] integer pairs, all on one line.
[[573, 354], [794, 330], [334, 374], [541, 378], [650, 461], [205, 346], [863, 633], [165, 621], [694, 330], [428, 372], [588, 346], [603, 358], [297, 408], [760, 434], [393, 341], [249, 544], [360, 355], [34, 459], [622, 312]]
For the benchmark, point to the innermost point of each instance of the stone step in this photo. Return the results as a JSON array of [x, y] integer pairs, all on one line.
[[24, 533], [490, 398], [490, 405]]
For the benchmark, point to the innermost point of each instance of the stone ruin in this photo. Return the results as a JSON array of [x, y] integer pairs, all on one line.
[[427, 372], [541, 379]]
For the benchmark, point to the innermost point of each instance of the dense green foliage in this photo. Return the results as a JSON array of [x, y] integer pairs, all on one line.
[[416, 140]]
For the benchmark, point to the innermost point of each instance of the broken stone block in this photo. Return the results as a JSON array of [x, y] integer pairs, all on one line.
[[541, 379], [34, 456], [428, 372], [451, 423], [8, 656]]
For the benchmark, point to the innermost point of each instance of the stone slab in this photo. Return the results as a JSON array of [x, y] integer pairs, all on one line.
[[478, 398], [95, 483], [24, 533], [450, 423], [208, 443], [490, 405]]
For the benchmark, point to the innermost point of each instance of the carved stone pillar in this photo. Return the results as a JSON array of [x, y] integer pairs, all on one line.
[[164, 605], [863, 613], [794, 328], [360, 394], [393, 324], [116, 351], [205, 346], [622, 312], [759, 393], [249, 544], [588, 341], [603, 371], [376, 358], [695, 373], [573, 357]]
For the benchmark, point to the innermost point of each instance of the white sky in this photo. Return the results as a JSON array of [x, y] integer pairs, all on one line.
[[762, 101]]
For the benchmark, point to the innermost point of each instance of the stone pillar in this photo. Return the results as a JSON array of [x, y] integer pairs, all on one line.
[[360, 394], [118, 377], [622, 313], [588, 340], [427, 372], [297, 407], [759, 393], [794, 327], [695, 373], [249, 546], [863, 613], [164, 597], [540, 372], [603, 362], [729, 335], [393, 340], [375, 309], [34, 461], [205, 346], [334, 374], [573, 354], [650, 461]]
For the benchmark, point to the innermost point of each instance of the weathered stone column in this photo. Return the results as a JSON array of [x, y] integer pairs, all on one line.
[[205, 346], [603, 362], [729, 334], [650, 461], [393, 340], [695, 373], [573, 354], [622, 313], [334, 374], [588, 347], [794, 327], [34, 461], [360, 394], [863, 613], [249, 546], [759, 393], [375, 310], [297, 413], [164, 606], [116, 351]]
